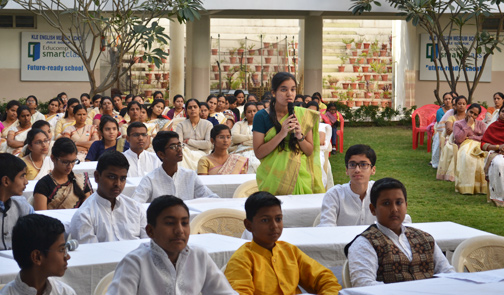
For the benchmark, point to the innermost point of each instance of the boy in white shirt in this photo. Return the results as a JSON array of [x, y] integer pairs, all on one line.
[[107, 215], [141, 161], [348, 204], [166, 264], [39, 248], [389, 252], [169, 178]]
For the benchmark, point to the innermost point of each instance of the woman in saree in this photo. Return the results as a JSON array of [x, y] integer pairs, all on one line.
[[212, 108], [469, 170], [448, 158], [109, 132], [53, 116], [118, 103], [106, 108], [283, 139], [38, 163], [68, 119], [493, 143], [32, 104], [61, 188], [157, 122], [439, 127], [242, 137], [133, 114], [17, 135], [332, 116], [81, 134], [9, 121], [205, 113], [194, 132], [220, 162], [178, 110], [493, 113]]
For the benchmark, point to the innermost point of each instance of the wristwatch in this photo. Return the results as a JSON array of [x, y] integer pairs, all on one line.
[[302, 138]]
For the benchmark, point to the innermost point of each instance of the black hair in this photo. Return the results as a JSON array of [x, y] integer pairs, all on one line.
[[317, 94], [40, 123], [61, 94], [266, 96], [210, 97], [150, 109], [112, 158], [9, 106], [70, 102], [231, 99], [161, 140], [260, 103], [299, 96], [65, 146], [128, 97], [216, 130], [259, 200], [454, 94], [499, 94], [104, 120], [204, 104], [459, 98], [34, 232], [54, 99], [475, 105], [159, 204], [235, 94], [131, 103], [11, 166], [277, 80], [187, 104], [360, 149], [247, 105], [32, 96], [79, 107], [252, 95], [21, 109], [104, 98], [135, 125], [31, 136], [386, 184], [447, 93], [86, 95], [312, 103], [300, 104], [96, 97], [177, 96], [158, 92]]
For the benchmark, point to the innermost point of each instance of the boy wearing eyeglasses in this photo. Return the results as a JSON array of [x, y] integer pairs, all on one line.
[[141, 161], [169, 178], [348, 204], [39, 248], [107, 215]]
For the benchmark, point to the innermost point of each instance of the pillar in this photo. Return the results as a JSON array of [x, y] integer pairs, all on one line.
[[310, 50], [177, 48], [198, 58]]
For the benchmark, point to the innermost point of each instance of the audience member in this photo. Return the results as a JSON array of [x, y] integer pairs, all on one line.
[[38, 164], [109, 133], [493, 142], [242, 137], [141, 162], [82, 134], [178, 110], [68, 119], [212, 108], [9, 121], [17, 135], [32, 104], [205, 113]]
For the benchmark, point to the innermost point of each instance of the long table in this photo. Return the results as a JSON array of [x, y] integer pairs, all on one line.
[[437, 286], [223, 185], [91, 262]]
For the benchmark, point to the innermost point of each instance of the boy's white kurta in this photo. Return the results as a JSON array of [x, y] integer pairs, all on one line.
[[148, 270], [143, 164], [54, 287], [185, 185], [95, 222]]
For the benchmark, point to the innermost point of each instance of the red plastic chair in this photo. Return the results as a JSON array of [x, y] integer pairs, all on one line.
[[339, 133], [426, 114]]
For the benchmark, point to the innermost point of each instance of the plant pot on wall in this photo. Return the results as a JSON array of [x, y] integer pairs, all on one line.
[[250, 60], [258, 68], [267, 60], [164, 85], [214, 51], [226, 68], [166, 76], [266, 44], [232, 59], [341, 69], [215, 68], [271, 52], [157, 76]]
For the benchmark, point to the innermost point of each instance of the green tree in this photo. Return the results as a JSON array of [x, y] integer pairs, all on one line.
[[115, 29], [447, 18]]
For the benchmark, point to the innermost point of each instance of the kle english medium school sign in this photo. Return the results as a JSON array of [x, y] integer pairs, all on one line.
[[44, 57]]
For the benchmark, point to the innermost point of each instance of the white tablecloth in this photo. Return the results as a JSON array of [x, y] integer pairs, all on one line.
[[223, 185], [90, 262], [88, 167], [437, 286], [326, 244]]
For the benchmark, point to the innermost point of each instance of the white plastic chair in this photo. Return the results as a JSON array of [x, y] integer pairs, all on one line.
[[31, 200], [345, 275], [317, 220], [479, 254], [228, 222], [245, 189], [101, 288]]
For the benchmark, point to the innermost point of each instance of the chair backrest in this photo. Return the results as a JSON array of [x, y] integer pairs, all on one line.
[[175, 122], [245, 189], [31, 199], [345, 275], [426, 115], [317, 220], [342, 121], [101, 288], [1, 286], [223, 221], [479, 254]]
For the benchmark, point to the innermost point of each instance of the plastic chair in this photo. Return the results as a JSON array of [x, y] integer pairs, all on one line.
[[345, 275], [175, 122], [31, 200], [426, 114], [339, 133], [101, 288], [479, 254], [245, 189], [227, 222], [317, 220], [2, 285]]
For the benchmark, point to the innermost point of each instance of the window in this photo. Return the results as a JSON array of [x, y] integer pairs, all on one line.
[[17, 21]]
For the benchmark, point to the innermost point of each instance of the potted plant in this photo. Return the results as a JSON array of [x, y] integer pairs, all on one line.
[[353, 82], [350, 94], [362, 85], [333, 81], [348, 42], [335, 93], [241, 49], [358, 43], [251, 50], [356, 67], [267, 60], [232, 51], [343, 97]]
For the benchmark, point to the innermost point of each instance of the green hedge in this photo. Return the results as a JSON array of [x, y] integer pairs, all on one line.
[[375, 116]]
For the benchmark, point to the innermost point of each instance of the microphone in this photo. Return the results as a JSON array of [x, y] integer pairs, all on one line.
[[72, 244], [290, 108]]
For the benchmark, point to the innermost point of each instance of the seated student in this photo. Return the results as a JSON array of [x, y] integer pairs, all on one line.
[[39, 248], [141, 161], [109, 131], [268, 266], [107, 215], [233, 107], [389, 252], [169, 178], [166, 264], [12, 203], [38, 163], [348, 204]]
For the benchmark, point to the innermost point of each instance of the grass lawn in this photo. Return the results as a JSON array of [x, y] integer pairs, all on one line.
[[428, 199]]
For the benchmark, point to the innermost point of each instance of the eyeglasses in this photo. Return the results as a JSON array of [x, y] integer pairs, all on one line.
[[63, 250], [139, 135], [362, 165], [176, 146], [30, 101], [222, 137], [42, 142], [67, 163]]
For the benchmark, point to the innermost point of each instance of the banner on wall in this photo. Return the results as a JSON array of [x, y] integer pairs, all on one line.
[[427, 53], [44, 57]]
